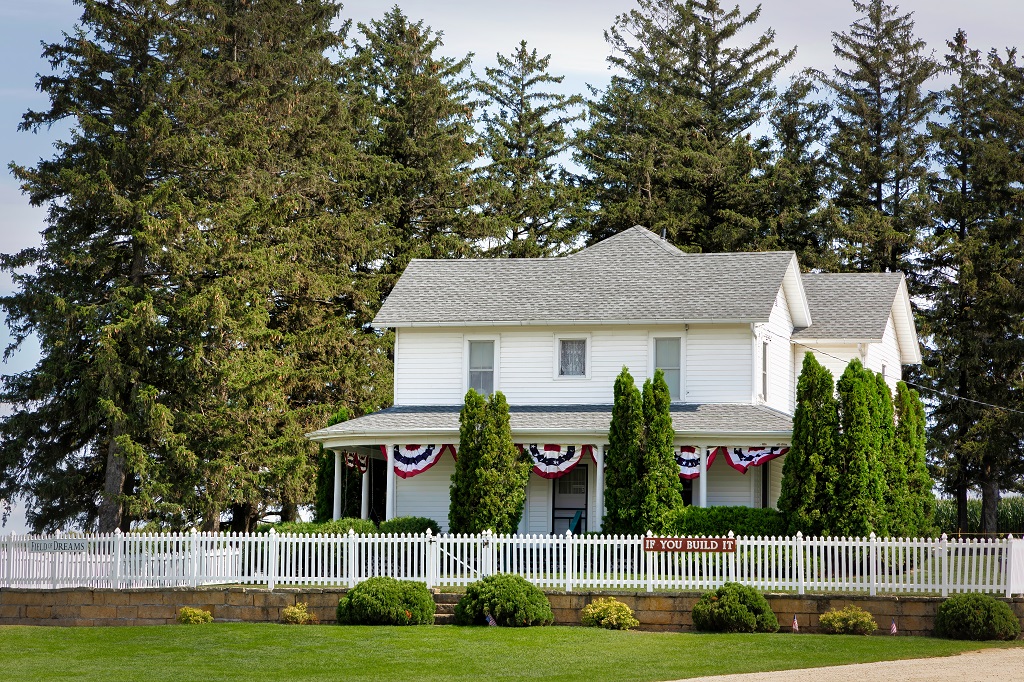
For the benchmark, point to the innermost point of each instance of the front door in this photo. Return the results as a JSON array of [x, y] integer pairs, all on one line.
[[570, 501]]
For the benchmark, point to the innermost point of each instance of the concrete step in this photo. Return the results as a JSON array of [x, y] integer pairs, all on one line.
[[444, 619], [446, 598]]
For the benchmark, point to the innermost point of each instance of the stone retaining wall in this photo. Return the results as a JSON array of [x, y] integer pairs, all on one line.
[[657, 611]]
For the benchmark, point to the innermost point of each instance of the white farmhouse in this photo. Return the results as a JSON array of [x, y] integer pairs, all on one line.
[[729, 330]]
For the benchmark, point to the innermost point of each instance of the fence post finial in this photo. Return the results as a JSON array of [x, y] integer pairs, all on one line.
[[650, 534]]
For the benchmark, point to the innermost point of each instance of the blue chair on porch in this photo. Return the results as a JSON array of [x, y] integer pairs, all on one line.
[[574, 524]]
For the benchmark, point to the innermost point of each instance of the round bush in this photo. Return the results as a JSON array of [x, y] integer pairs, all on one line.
[[734, 608], [976, 616], [852, 620], [410, 525], [190, 616], [386, 601], [510, 599], [608, 613], [298, 615]]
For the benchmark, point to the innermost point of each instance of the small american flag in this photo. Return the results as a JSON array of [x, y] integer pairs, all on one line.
[[491, 621], [796, 625], [892, 628]]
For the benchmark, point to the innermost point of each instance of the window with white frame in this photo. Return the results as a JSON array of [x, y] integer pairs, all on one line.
[[668, 358], [481, 366], [764, 369], [572, 357]]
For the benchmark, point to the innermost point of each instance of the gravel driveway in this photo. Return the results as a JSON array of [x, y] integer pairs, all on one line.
[[1005, 665]]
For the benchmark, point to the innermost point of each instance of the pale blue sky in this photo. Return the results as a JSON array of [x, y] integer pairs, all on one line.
[[570, 30]]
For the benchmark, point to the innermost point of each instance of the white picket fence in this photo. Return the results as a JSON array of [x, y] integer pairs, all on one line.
[[786, 564]]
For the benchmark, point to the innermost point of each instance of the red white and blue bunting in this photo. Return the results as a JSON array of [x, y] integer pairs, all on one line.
[[688, 459], [356, 461], [555, 461], [411, 460], [741, 459]]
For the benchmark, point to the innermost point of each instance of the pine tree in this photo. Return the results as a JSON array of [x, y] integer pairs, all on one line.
[[465, 485], [849, 471], [890, 475], [879, 149], [658, 480], [503, 473], [815, 434], [623, 459], [91, 428], [918, 519], [668, 145], [422, 143], [529, 199]]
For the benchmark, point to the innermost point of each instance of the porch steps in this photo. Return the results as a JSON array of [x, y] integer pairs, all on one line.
[[444, 608]]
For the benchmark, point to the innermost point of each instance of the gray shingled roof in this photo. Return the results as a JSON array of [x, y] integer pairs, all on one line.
[[706, 418], [631, 277], [849, 305]]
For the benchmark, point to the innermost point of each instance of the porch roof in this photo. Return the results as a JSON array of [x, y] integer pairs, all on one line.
[[709, 420]]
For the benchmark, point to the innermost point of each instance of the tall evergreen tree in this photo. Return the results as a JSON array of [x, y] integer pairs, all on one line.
[[465, 484], [504, 471], [529, 200], [658, 484], [668, 144], [351, 482], [879, 149], [891, 472], [802, 498], [91, 424], [918, 514], [622, 461]]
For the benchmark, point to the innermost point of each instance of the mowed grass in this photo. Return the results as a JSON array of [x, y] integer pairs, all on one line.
[[257, 652]]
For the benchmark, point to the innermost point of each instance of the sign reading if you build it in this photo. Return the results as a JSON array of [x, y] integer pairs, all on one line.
[[689, 545], [58, 545]]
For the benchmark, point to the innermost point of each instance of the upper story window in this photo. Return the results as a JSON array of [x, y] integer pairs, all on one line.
[[764, 370], [481, 366], [668, 358], [572, 357]]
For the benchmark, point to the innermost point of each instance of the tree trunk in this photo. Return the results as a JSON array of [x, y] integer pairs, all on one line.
[[961, 508], [243, 518], [989, 501], [111, 506], [289, 511], [211, 522]]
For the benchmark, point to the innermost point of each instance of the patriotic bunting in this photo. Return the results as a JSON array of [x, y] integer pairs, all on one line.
[[356, 461], [741, 459], [411, 460], [554, 461], [688, 459]]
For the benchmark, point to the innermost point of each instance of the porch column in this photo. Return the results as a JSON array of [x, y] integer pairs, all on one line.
[[599, 486], [364, 510], [703, 477], [389, 495], [336, 514]]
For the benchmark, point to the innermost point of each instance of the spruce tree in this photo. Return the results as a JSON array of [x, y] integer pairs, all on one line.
[[668, 145], [918, 518], [529, 200], [849, 471], [465, 484], [503, 473], [658, 478], [802, 498], [879, 150], [623, 459]]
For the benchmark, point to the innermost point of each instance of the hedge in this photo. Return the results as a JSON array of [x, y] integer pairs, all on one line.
[[718, 521]]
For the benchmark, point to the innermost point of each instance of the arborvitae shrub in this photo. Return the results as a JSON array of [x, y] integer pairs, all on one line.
[[386, 601], [190, 616], [976, 616], [718, 521], [299, 615], [510, 599], [852, 620], [608, 613], [410, 525], [734, 608]]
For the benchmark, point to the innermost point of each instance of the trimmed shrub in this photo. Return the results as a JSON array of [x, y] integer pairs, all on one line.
[[299, 615], [734, 608], [386, 601], [410, 525], [608, 613], [510, 599], [976, 616], [190, 616], [852, 620], [718, 521], [339, 527]]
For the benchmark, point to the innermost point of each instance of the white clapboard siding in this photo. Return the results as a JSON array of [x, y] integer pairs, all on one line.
[[537, 513], [834, 357], [775, 481], [728, 487], [718, 364], [780, 359], [428, 367], [886, 353], [427, 494]]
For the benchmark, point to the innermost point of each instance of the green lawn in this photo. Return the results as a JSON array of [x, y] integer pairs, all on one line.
[[257, 652]]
